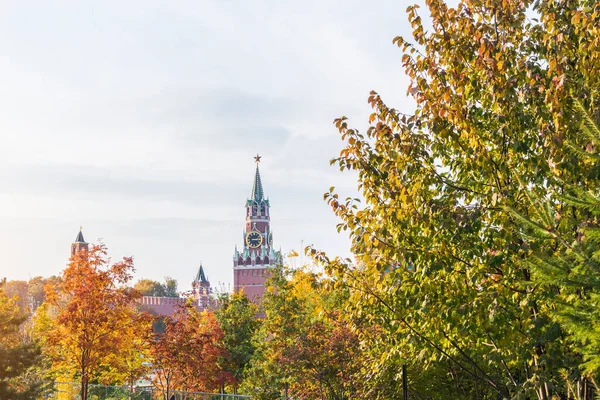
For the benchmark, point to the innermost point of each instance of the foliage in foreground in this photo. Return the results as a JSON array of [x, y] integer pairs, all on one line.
[[304, 346], [445, 256], [87, 322], [186, 355], [238, 319], [19, 357]]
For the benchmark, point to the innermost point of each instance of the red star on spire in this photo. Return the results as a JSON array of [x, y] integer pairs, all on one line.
[[257, 158]]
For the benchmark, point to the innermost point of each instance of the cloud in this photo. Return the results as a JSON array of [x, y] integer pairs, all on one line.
[[140, 121], [224, 118]]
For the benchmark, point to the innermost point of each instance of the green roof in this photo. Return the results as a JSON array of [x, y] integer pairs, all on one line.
[[257, 189]]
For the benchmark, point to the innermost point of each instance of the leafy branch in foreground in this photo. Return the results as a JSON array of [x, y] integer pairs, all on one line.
[[445, 236]]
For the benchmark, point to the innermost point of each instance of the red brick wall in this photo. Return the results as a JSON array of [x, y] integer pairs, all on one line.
[[163, 305]]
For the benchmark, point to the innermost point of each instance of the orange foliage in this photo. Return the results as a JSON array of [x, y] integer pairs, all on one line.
[[94, 308], [186, 356]]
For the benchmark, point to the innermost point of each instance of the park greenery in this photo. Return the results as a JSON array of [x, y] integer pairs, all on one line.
[[476, 243]]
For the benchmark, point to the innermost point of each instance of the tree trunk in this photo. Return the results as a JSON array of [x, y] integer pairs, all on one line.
[[84, 383], [131, 380]]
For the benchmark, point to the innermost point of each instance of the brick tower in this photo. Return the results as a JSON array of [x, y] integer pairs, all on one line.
[[79, 244], [251, 265], [201, 289]]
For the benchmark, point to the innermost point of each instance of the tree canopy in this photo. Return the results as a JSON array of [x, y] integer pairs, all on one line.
[[442, 259], [18, 355], [88, 314], [187, 355], [238, 319], [149, 287]]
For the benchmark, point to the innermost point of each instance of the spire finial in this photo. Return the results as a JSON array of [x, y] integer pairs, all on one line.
[[257, 189]]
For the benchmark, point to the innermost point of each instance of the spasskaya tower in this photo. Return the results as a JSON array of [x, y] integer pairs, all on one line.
[[251, 265]]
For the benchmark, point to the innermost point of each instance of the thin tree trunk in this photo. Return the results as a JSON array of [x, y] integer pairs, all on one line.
[[84, 382], [130, 388]]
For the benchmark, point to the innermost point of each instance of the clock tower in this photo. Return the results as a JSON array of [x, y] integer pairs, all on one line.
[[251, 265]]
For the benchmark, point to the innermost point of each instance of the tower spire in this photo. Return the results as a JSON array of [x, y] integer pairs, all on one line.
[[79, 244], [79, 238], [257, 189], [200, 276]]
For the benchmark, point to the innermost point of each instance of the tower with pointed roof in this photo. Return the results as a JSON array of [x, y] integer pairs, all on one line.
[[201, 289], [251, 263], [79, 244]]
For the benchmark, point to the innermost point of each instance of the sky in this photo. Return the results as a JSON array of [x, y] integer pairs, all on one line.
[[139, 121]]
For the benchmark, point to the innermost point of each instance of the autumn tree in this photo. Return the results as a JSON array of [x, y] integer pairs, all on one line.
[[18, 290], [36, 290], [440, 254], [237, 317], [187, 355], [93, 310], [149, 287], [29, 294], [133, 360], [304, 346], [18, 356], [170, 286]]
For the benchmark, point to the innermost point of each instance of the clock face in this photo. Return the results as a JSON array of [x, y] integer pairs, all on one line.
[[254, 239]]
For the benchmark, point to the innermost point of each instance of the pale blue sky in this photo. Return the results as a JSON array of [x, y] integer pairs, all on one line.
[[139, 120]]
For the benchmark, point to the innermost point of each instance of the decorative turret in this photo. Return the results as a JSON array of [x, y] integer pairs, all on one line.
[[80, 244], [201, 288]]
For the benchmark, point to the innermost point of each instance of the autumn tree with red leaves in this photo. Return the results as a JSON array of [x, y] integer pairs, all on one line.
[[94, 307], [188, 354]]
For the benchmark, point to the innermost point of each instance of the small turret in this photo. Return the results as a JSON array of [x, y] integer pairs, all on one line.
[[80, 244], [201, 288]]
